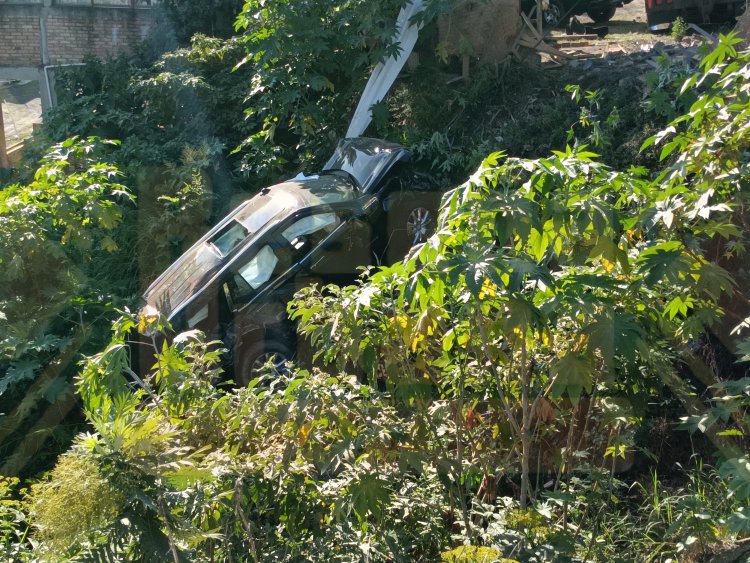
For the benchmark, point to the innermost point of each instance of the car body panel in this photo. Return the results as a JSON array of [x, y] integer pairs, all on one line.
[[366, 160], [661, 13]]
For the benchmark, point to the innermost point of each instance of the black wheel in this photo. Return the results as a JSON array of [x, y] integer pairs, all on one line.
[[410, 222], [256, 356], [602, 16], [555, 15]]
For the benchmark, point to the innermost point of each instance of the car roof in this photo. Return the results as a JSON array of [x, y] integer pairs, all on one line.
[[197, 268]]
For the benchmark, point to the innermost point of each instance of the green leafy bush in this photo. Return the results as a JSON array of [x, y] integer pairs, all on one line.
[[58, 233], [473, 554], [520, 341], [72, 505]]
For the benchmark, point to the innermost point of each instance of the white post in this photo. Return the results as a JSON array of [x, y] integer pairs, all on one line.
[[3, 149]]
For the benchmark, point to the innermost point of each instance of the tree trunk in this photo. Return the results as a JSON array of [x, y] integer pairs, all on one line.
[[525, 424]]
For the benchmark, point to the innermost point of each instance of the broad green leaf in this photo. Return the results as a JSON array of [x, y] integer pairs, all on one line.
[[573, 375]]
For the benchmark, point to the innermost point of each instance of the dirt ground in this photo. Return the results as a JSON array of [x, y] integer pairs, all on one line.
[[22, 108]]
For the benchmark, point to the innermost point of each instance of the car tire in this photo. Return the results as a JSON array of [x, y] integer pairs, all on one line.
[[256, 356], [556, 15], [602, 16], [411, 221]]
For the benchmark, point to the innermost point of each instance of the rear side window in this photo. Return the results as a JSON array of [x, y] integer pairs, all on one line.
[[229, 238], [251, 276]]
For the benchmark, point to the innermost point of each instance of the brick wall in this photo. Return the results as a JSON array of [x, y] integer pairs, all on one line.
[[73, 32], [19, 36]]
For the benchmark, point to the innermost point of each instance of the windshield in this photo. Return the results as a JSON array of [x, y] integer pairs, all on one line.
[[315, 190], [364, 160], [179, 282]]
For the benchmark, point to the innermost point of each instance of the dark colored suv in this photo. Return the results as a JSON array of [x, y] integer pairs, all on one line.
[[234, 284], [559, 12]]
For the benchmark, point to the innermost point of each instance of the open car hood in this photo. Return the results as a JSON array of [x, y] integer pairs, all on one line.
[[366, 160]]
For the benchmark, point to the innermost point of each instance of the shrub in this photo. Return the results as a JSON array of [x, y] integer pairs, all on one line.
[[474, 554], [72, 505]]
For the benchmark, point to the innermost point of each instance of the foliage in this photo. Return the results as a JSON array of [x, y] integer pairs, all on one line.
[[679, 28], [727, 420], [185, 18], [309, 61], [57, 236], [473, 554], [528, 254], [507, 359], [189, 96], [451, 126], [547, 280], [589, 118], [13, 520], [282, 472], [298, 91], [64, 217], [73, 504]]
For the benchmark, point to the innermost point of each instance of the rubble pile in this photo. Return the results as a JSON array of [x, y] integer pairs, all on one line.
[[743, 26], [598, 70]]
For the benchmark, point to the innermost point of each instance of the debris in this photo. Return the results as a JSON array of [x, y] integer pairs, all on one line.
[[700, 31], [384, 74], [577, 43], [571, 37], [743, 26], [529, 37]]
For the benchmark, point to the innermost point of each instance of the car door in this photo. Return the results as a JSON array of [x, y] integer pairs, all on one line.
[[337, 245], [251, 287]]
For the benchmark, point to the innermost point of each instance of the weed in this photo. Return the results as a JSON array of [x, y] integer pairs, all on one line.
[[679, 28]]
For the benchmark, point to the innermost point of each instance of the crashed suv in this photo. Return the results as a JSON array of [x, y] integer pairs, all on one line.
[[234, 284]]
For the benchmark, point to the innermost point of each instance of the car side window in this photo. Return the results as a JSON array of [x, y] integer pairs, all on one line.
[[251, 275], [310, 230], [260, 268]]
